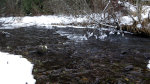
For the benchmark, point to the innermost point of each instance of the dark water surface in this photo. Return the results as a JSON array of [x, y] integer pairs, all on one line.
[[81, 55]]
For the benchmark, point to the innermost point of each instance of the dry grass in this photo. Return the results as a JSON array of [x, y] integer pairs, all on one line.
[[145, 30]]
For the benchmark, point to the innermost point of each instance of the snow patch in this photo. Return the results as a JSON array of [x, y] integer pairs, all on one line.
[[46, 21], [130, 6], [146, 11], [111, 32], [126, 20], [15, 70], [139, 26], [148, 66]]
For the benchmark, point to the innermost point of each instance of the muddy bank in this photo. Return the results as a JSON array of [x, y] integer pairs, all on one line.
[[58, 59]]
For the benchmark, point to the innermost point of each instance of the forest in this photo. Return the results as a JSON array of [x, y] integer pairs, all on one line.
[[38, 7]]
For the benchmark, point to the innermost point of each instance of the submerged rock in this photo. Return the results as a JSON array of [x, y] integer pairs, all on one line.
[[129, 67]]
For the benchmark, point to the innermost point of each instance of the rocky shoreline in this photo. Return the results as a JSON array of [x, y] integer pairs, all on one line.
[[58, 60]]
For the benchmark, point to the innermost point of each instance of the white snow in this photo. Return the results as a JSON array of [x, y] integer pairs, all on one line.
[[126, 20], [51, 20], [139, 26], [119, 2], [15, 70], [148, 66], [130, 6], [47, 21], [146, 10]]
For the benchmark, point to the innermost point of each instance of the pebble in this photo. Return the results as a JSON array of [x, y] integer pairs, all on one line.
[[129, 68]]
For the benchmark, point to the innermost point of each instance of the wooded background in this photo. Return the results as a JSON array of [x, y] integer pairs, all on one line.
[[38, 7]]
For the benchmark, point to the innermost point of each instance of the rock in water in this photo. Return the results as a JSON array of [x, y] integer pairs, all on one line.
[[4, 34], [129, 67]]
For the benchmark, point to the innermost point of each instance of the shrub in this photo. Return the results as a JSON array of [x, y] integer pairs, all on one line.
[[27, 6]]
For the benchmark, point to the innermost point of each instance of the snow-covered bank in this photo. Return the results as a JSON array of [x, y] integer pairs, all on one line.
[[128, 20], [15, 70], [63, 20], [46, 21], [89, 20]]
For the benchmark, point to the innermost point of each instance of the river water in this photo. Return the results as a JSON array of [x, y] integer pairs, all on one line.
[[127, 42], [99, 52]]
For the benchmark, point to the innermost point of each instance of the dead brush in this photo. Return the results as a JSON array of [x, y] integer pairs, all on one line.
[[145, 30], [145, 23]]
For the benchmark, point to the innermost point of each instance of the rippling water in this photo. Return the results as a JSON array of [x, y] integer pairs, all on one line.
[[115, 46], [139, 45]]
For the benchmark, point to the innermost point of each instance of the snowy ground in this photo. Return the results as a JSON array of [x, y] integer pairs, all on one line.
[[15, 70], [46, 21], [127, 20]]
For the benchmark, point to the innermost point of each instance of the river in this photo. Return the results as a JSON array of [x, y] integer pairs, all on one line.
[[81, 55]]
